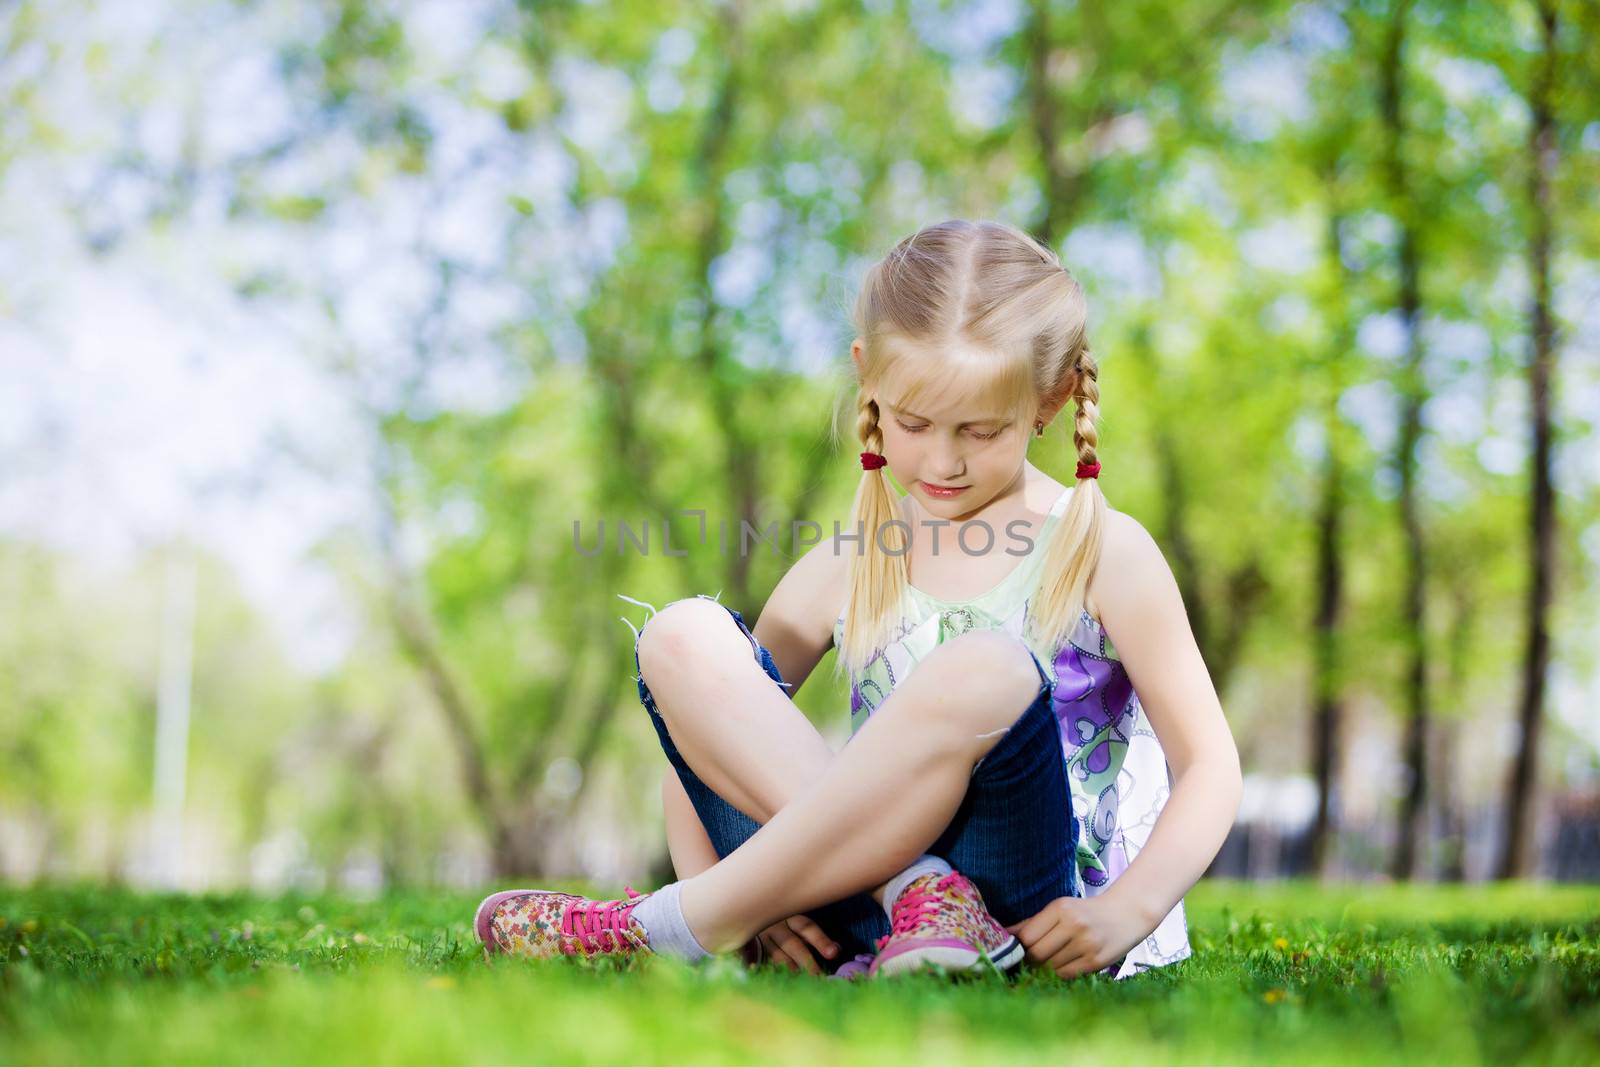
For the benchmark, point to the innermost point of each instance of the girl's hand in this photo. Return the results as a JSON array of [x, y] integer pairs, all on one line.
[[789, 942], [1076, 935]]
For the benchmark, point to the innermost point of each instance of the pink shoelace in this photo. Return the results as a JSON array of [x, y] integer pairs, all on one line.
[[916, 904], [600, 925]]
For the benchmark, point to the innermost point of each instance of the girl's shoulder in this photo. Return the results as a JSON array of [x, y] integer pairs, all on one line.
[[1131, 568]]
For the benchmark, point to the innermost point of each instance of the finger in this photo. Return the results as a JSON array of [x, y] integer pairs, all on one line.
[[815, 935], [1030, 939], [776, 951], [784, 960], [1070, 961], [1085, 964], [1029, 930], [777, 954], [773, 955], [1050, 943], [800, 952]]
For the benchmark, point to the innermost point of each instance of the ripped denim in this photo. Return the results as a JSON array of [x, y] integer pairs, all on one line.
[[1014, 834]]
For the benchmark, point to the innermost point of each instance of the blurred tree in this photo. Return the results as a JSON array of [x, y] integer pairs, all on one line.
[[1405, 206], [1543, 159], [569, 261]]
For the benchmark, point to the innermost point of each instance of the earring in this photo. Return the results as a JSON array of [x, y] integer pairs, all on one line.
[[1038, 429]]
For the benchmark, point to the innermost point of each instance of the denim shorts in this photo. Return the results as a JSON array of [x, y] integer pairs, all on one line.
[[1014, 834]]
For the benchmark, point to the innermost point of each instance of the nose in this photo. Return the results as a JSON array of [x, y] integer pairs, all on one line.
[[948, 461]]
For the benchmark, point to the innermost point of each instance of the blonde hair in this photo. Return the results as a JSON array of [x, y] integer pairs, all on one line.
[[1015, 318]]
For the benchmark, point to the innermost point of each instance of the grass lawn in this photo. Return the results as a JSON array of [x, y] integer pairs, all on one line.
[[1453, 975]]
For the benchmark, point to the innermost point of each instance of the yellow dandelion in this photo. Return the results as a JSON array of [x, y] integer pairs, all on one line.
[[1282, 942], [1274, 996]]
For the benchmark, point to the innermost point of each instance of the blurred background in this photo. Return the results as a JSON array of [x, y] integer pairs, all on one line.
[[322, 325]]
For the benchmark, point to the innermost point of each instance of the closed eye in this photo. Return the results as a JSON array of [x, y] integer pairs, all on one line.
[[975, 433]]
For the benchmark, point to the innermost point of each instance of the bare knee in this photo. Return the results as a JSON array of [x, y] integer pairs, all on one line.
[[681, 631], [987, 678]]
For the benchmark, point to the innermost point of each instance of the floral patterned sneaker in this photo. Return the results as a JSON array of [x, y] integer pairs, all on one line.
[[542, 924], [941, 922]]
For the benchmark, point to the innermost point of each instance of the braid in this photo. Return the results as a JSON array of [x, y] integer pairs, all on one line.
[[1086, 395], [1073, 551], [877, 570], [867, 423]]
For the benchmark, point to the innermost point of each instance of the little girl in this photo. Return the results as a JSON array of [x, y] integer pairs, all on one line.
[[1017, 723]]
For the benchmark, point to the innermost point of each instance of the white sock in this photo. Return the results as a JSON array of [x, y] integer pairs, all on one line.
[[923, 864], [662, 918]]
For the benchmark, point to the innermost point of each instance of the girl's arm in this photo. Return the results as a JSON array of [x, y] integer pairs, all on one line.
[[796, 623], [687, 841], [1143, 614]]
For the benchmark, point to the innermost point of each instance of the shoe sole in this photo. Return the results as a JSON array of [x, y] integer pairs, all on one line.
[[947, 954]]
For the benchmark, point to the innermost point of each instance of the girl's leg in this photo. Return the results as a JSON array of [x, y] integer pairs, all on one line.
[[741, 735], [1015, 835], [702, 671], [879, 803]]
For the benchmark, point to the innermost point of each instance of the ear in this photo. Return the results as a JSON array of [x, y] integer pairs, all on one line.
[[856, 348], [1048, 412]]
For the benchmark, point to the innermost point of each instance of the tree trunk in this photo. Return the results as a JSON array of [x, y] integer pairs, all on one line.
[[1060, 184], [1327, 681], [1414, 621], [421, 646], [1328, 706], [1516, 859], [418, 641], [1447, 802]]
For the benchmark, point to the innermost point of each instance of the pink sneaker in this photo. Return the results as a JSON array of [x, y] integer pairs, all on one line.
[[542, 924], [941, 922]]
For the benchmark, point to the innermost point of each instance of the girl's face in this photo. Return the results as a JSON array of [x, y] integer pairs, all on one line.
[[954, 454], [953, 460]]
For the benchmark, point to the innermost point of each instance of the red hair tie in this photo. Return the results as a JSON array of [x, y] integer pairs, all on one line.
[[871, 461], [1088, 470]]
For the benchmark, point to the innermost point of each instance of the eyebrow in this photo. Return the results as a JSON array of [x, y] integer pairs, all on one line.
[[975, 422]]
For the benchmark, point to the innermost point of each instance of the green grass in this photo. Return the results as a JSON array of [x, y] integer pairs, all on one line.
[[1455, 975]]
